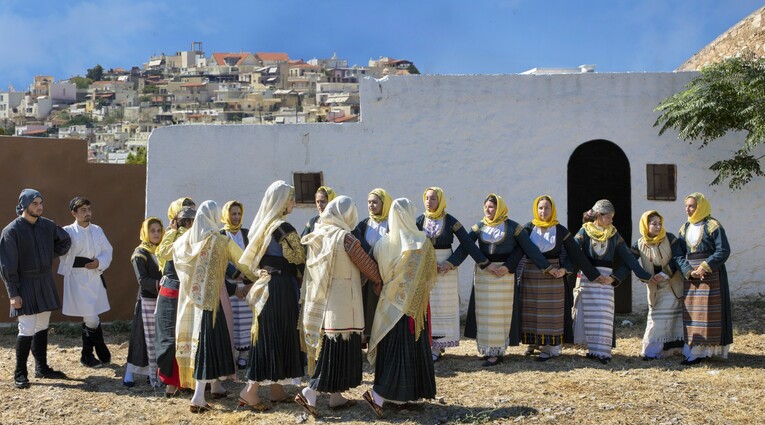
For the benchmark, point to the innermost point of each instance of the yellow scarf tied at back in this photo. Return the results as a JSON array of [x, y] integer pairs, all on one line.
[[552, 221], [501, 212], [225, 216], [440, 211], [644, 228], [329, 191], [145, 238], [703, 208], [386, 203]]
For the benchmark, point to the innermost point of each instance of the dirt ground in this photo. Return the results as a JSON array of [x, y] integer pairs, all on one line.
[[569, 389]]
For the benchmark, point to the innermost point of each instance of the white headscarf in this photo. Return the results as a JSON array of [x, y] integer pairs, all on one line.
[[206, 223], [270, 215], [337, 220], [403, 235]]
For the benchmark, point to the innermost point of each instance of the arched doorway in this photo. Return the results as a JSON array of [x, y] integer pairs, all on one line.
[[599, 169]]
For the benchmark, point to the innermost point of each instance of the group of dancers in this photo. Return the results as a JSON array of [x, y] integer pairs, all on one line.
[[215, 296]]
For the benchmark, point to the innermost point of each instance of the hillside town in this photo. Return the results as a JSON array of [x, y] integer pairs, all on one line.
[[116, 110]]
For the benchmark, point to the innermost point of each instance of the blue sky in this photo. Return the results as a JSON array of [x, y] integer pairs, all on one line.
[[65, 37]]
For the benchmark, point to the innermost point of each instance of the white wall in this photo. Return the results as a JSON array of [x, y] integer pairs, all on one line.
[[471, 135]]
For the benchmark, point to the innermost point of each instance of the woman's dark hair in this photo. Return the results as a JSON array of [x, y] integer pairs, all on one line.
[[187, 202], [185, 222], [155, 220], [323, 192], [491, 198]]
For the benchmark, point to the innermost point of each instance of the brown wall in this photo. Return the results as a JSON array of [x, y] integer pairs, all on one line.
[[59, 169]]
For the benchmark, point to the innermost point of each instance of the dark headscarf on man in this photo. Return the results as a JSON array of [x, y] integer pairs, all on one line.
[[25, 198]]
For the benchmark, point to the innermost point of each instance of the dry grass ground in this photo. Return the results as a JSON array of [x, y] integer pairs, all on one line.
[[570, 389]]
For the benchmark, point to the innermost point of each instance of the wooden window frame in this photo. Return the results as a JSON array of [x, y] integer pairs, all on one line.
[[306, 184], [661, 182]]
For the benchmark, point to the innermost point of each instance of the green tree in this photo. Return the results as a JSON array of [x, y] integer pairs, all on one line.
[[81, 82], [2, 131], [96, 73], [150, 89], [137, 158], [79, 120], [728, 97]]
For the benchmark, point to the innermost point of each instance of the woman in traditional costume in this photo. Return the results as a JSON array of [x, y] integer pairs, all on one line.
[[703, 250], [142, 356], [491, 309], [399, 348], [324, 195], [545, 303], [369, 231], [231, 216], [332, 315], [441, 228], [204, 348], [593, 312], [657, 251], [181, 214], [276, 256]]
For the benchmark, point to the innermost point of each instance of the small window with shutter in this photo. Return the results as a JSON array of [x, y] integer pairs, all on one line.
[[306, 185], [662, 182]]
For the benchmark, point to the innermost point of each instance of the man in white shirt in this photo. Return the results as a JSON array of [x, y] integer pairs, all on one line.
[[84, 286]]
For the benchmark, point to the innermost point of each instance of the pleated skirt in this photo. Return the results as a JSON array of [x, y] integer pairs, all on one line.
[[276, 354], [404, 366], [339, 367], [214, 357]]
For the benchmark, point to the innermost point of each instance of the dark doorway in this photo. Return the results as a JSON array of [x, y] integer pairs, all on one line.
[[599, 169]]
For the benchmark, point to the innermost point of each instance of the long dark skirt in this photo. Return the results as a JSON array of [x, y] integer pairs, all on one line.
[[167, 310], [404, 367], [39, 294], [276, 354], [214, 357], [339, 365], [137, 353], [369, 303]]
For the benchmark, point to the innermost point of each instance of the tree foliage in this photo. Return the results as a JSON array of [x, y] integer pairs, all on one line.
[[96, 73], [81, 82], [728, 97], [412, 69], [138, 158]]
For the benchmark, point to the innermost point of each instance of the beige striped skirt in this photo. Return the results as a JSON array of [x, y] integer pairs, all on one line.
[[493, 311]]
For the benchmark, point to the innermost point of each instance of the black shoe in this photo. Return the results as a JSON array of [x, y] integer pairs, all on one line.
[[604, 360], [687, 362], [49, 373], [90, 361], [543, 359], [129, 384], [21, 382], [649, 358]]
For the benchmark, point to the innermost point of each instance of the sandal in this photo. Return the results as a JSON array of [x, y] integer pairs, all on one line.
[[302, 402], [175, 393], [371, 401], [348, 403], [193, 408], [258, 407]]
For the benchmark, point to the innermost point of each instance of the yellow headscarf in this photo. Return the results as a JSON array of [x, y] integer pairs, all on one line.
[[175, 208], [440, 212], [501, 214], [144, 235], [703, 208], [537, 221], [330, 193], [386, 203], [225, 218], [644, 228]]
